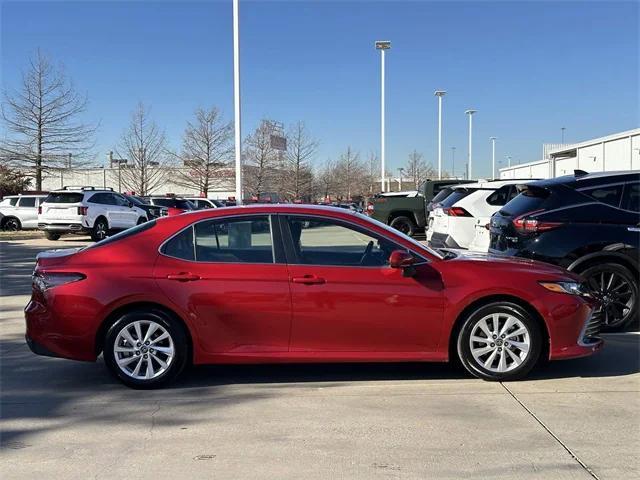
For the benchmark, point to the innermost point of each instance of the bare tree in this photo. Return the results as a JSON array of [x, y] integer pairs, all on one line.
[[327, 179], [143, 145], [206, 150], [351, 175], [42, 117], [298, 175], [260, 161], [417, 168]]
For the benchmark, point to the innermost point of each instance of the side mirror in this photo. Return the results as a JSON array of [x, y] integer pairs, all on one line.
[[401, 259]]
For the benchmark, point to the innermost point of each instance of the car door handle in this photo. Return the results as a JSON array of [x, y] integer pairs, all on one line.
[[183, 277], [308, 280]]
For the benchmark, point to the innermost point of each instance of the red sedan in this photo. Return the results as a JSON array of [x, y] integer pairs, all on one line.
[[293, 283]]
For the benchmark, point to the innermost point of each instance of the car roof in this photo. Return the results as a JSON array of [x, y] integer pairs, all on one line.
[[588, 179]]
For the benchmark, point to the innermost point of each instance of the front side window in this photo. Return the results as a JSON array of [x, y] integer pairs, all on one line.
[[327, 242], [239, 240], [609, 194], [27, 202]]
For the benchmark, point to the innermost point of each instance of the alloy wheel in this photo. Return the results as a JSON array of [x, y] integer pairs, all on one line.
[[101, 230], [144, 350], [615, 295], [12, 225], [499, 342]]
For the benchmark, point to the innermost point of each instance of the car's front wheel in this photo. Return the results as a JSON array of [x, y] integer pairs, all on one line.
[[146, 349], [500, 341], [52, 236]]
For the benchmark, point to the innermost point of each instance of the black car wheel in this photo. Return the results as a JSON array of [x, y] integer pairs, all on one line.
[[146, 349], [12, 224], [500, 342], [404, 225], [52, 236], [100, 230], [141, 220], [616, 290]]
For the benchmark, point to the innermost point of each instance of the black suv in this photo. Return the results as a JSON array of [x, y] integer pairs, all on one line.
[[586, 223]]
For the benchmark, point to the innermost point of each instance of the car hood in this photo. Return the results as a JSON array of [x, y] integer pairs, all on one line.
[[513, 263]]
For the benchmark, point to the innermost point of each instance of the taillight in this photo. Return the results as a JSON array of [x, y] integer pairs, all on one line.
[[456, 212], [46, 280], [523, 224], [82, 210]]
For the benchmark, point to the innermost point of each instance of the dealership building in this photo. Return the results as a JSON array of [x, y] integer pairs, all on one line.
[[620, 151]]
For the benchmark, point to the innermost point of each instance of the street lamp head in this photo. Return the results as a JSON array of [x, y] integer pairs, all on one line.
[[383, 44], [440, 93], [470, 111], [493, 138]]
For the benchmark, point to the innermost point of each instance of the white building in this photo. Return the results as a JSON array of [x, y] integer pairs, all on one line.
[[620, 151]]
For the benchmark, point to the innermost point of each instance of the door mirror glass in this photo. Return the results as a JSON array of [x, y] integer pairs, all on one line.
[[401, 259]]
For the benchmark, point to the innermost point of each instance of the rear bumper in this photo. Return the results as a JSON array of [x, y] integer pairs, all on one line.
[[63, 227], [38, 348], [443, 240]]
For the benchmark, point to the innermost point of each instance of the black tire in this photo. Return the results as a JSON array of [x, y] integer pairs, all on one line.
[[504, 309], [616, 287], [141, 220], [52, 236], [178, 337], [100, 229], [11, 224], [404, 225]]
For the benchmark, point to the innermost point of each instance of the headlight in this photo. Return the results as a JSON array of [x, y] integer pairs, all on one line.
[[572, 288]]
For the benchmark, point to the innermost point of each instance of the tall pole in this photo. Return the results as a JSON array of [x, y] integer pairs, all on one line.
[[493, 157], [453, 162], [400, 170], [440, 94], [382, 45], [236, 102], [508, 160], [470, 113]]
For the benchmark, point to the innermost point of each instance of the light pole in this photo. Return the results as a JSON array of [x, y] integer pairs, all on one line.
[[400, 171], [453, 162], [382, 45], [236, 103], [508, 160], [493, 157], [440, 94], [470, 113], [562, 130]]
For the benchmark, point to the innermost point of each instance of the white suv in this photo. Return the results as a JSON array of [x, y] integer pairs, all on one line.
[[460, 220], [19, 212], [91, 210]]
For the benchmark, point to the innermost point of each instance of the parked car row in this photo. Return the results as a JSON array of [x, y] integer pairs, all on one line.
[[586, 223]]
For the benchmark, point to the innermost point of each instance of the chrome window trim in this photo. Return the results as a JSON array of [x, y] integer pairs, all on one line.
[[227, 217]]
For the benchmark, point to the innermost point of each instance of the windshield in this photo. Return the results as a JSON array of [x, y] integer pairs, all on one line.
[[392, 230], [135, 200]]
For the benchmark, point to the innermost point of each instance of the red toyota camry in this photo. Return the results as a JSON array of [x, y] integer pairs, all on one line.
[[292, 283]]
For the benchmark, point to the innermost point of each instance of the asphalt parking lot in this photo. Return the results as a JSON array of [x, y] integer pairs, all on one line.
[[576, 419]]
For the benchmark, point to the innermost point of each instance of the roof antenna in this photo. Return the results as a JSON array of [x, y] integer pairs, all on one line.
[[580, 173]]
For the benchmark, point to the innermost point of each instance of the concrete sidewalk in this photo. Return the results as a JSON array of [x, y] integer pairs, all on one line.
[[61, 419]]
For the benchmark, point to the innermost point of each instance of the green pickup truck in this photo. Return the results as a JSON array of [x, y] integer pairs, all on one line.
[[407, 211]]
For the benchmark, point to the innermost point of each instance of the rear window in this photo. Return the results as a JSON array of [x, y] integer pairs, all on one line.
[[129, 232], [64, 197], [442, 194], [530, 199], [174, 203], [456, 196]]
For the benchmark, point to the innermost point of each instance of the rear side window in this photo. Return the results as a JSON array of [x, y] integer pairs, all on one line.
[[64, 197], [10, 201], [181, 246], [456, 196], [631, 200], [500, 197], [610, 194], [27, 202], [241, 240]]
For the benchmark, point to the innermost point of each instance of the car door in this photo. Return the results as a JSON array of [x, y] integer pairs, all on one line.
[[27, 212], [230, 278], [128, 215], [346, 298]]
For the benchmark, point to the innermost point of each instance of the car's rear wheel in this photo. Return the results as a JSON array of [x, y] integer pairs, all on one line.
[[616, 289], [146, 349], [500, 342], [52, 236], [11, 224], [404, 225], [141, 220], [100, 230]]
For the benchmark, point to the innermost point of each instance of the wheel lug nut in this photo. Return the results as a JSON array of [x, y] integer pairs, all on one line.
[[147, 342], [145, 355], [137, 352], [151, 350], [494, 336], [138, 344], [506, 344], [499, 349], [502, 336], [493, 344]]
